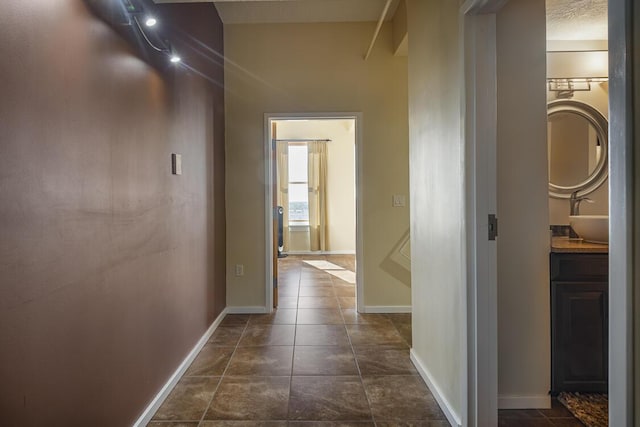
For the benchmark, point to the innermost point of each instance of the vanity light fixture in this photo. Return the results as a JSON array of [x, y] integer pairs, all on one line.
[[569, 71], [572, 84]]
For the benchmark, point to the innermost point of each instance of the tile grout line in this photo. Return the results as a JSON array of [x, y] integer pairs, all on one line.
[[246, 325], [339, 308], [293, 355], [355, 358]]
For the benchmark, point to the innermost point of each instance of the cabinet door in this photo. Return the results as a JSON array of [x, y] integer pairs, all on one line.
[[579, 336]]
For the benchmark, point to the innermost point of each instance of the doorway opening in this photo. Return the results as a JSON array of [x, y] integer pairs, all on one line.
[[312, 207], [577, 144]]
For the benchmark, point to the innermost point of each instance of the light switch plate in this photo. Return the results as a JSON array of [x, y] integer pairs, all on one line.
[[399, 201], [239, 270], [176, 164]]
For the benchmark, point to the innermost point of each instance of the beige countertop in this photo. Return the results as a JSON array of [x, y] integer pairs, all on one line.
[[570, 245]]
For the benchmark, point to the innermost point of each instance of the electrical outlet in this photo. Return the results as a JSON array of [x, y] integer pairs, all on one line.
[[239, 270]]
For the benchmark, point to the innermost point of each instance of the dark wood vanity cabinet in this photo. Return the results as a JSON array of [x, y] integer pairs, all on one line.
[[579, 322]]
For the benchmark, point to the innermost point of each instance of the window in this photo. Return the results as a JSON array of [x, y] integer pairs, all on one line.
[[298, 185]]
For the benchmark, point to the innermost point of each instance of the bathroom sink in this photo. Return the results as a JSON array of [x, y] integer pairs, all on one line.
[[591, 228]]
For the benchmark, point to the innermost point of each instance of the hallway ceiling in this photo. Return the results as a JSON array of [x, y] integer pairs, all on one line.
[[577, 20], [566, 19], [297, 11]]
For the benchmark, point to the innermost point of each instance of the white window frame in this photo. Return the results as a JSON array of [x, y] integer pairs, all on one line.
[[298, 223]]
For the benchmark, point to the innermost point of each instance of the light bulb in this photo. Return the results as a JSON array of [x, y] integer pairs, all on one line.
[[175, 58], [150, 22]]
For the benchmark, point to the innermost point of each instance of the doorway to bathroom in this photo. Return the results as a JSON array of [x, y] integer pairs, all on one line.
[[511, 226], [313, 198], [577, 145]]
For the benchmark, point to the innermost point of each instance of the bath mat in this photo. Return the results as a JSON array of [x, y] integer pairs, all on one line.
[[591, 409]]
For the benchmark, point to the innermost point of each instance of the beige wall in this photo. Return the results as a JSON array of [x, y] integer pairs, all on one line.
[[523, 241], [341, 180], [437, 193], [597, 97], [315, 68]]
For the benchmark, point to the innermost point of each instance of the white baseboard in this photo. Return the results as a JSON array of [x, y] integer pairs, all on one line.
[[175, 377], [258, 309], [320, 252], [387, 309], [514, 401], [449, 412]]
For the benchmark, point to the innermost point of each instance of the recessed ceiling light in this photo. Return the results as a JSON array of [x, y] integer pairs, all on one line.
[[175, 59], [150, 22]]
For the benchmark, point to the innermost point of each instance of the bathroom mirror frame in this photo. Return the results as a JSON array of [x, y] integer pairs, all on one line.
[[600, 123]]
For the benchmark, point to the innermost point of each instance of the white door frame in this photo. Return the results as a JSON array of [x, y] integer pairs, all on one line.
[[268, 211], [621, 212], [478, 24]]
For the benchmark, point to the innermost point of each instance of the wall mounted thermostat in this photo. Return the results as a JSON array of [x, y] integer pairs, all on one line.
[[176, 164]]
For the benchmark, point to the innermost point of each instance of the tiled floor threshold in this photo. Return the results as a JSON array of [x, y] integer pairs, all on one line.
[[313, 362]]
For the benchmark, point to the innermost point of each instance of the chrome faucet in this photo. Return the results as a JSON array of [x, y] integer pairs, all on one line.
[[574, 203]]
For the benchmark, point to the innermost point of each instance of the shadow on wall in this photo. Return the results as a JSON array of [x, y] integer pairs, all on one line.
[[398, 262]]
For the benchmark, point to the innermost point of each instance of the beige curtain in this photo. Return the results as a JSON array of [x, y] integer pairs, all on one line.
[[318, 195], [282, 153]]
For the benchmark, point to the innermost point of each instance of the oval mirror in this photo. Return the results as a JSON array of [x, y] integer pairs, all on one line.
[[577, 141]]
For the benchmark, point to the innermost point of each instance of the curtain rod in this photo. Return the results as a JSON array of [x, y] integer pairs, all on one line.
[[302, 140]]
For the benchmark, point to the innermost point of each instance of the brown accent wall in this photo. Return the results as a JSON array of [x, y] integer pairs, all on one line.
[[635, 113], [111, 268]]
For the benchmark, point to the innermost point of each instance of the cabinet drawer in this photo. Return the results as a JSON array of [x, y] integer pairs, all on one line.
[[584, 267]]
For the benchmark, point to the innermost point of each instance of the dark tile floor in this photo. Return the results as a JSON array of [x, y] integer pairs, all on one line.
[[558, 415], [315, 361]]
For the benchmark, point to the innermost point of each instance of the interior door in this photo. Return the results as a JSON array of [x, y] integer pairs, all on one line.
[[481, 197], [274, 210]]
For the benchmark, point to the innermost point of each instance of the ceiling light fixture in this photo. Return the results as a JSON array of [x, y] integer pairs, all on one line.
[[142, 20], [132, 6]]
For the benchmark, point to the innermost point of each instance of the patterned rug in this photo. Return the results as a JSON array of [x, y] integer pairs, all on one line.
[[591, 409]]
